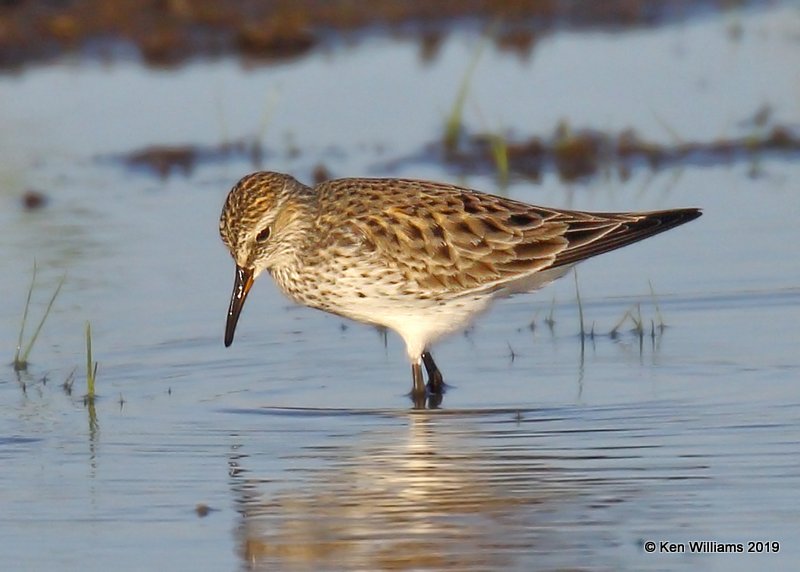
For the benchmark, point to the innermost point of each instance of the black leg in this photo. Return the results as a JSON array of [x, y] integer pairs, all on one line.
[[418, 387], [435, 381], [429, 395]]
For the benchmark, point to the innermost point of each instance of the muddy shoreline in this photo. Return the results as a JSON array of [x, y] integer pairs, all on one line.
[[170, 32]]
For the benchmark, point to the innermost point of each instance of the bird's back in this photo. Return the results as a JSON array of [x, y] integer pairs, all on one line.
[[450, 241]]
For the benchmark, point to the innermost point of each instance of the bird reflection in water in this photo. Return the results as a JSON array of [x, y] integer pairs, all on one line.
[[438, 499]]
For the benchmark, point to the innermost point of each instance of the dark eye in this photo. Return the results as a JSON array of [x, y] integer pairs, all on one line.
[[263, 235]]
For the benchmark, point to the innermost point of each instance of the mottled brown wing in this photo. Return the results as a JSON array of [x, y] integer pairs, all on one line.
[[618, 230], [448, 239]]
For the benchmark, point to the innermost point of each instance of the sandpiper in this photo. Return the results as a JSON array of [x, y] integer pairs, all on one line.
[[418, 257]]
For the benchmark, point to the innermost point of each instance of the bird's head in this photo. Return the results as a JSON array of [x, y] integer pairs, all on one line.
[[261, 215]]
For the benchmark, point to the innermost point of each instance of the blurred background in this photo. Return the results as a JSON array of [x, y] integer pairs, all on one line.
[[651, 396]]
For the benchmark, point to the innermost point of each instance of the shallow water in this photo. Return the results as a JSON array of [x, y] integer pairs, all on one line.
[[549, 453]]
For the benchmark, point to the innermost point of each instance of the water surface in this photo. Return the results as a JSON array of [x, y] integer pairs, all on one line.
[[550, 452]]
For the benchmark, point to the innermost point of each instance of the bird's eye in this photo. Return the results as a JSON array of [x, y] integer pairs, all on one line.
[[263, 235]]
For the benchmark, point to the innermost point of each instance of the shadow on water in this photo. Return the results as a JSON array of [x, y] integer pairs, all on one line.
[[461, 490]]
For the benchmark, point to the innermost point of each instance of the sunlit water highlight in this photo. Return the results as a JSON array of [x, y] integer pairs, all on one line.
[[548, 454]]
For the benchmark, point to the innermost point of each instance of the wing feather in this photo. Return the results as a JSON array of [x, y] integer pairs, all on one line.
[[451, 240]]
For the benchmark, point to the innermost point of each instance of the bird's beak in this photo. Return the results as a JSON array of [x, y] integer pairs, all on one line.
[[241, 286]]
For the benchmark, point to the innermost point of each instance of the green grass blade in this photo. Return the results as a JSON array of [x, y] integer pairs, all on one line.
[[551, 318], [266, 116], [500, 156], [90, 370], [18, 365], [661, 323], [454, 119], [44, 317], [580, 305], [615, 330]]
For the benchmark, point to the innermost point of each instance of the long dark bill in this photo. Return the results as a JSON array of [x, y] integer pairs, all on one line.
[[241, 286]]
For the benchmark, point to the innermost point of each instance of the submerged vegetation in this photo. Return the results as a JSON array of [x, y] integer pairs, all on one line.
[[91, 367], [633, 316], [454, 124], [172, 32], [581, 153], [21, 356], [571, 153]]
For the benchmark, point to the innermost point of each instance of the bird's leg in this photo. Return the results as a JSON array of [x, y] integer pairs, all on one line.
[[418, 387], [435, 381]]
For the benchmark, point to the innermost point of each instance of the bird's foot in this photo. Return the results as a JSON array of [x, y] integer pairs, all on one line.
[[426, 399], [430, 395], [436, 384]]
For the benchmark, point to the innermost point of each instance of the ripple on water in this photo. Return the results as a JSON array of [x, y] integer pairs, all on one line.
[[479, 490]]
